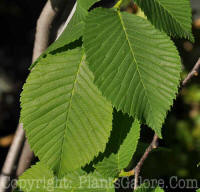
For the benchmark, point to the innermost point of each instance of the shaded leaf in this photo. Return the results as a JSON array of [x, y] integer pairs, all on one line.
[[173, 17], [121, 126], [111, 166]]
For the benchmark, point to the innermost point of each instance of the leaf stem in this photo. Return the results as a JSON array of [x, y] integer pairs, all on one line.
[[195, 71], [118, 4], [121, 3]]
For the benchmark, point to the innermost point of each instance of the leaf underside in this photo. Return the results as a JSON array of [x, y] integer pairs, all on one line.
[[66, 119], [135, 66], [112, 165], [173, 17]]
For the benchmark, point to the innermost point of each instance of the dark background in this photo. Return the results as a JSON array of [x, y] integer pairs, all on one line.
[[182, 128], [18, 20]]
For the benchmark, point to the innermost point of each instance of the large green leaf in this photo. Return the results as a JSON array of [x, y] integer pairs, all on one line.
[[198, 190], [111, 166], [135, 66], [67, 121], [172, 16], [74, 29], [39, 178], [147, 188]]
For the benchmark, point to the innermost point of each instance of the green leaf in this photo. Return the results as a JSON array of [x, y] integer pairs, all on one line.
[[172, 16], [198, 190], [135, 66], [112, 165], [146, 188], [74, 29], [87, 183], [66, 119], [121, 125], [38, 178]]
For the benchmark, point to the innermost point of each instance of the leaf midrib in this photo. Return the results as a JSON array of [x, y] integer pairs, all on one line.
[[132, 51], [68, 112]]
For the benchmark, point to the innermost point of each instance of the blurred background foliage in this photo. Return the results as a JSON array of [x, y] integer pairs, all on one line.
[[181, 132]]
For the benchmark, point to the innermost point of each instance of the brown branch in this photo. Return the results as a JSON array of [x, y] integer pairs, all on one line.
[[195, 71], [154, 144], [25, 159], [11, 158]]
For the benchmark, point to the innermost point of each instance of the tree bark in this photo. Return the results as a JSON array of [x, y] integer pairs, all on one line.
[[11, 159]]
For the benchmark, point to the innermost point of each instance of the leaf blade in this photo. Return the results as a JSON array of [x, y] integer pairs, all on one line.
[[62, 125], [141, 63], [175, 17], [112, 165]]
